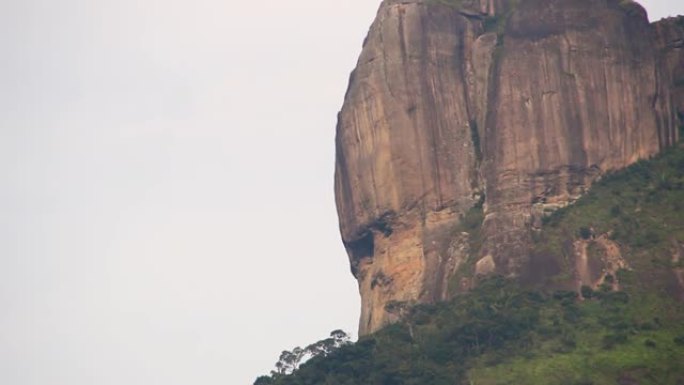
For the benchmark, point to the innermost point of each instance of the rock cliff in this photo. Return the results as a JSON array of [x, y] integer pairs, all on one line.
[[670, 43], [511, 108]]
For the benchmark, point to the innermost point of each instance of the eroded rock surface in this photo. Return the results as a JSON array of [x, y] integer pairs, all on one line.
[[575, 95], [525, 103], [406, 162], [670, 40], [593, 268]]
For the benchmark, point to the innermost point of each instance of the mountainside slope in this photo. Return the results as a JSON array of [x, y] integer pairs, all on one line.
[[625, 327], [514, 106]]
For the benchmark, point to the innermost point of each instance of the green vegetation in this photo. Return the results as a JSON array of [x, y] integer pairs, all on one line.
[[640, 208], [504, 333], [456, 3], [471, 223], [496, 24], [491, 23], [613, 338]]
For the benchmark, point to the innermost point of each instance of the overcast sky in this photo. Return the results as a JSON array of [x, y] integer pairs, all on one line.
[[166, 172]]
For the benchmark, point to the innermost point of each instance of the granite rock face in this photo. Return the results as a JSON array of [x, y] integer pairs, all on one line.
[[670, 43], [514, 107]]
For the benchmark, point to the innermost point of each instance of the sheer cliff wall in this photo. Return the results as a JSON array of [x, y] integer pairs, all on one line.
[[512, 106]]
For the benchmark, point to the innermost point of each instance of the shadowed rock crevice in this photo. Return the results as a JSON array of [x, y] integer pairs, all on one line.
[[360, 250]]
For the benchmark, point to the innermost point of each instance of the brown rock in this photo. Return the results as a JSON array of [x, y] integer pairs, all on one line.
[[574, 95], [528, 106], [670, 43], [406, 164]]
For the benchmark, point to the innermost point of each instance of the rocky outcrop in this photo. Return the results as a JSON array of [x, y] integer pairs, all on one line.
[[596, 259], [406, 160], [520, 105], [576, 94]]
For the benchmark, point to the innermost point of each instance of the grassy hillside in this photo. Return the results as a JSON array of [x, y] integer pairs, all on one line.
[[641, 209], [504, 333]]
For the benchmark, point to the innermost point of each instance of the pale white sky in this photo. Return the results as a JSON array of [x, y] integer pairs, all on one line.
[[166, 198]]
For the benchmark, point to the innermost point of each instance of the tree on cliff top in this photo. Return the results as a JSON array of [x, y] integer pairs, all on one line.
[[289, 361]]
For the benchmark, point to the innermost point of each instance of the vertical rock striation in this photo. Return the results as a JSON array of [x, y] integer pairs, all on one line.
[[576, 94], [406, 163], [520, 104], [670, 43]]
